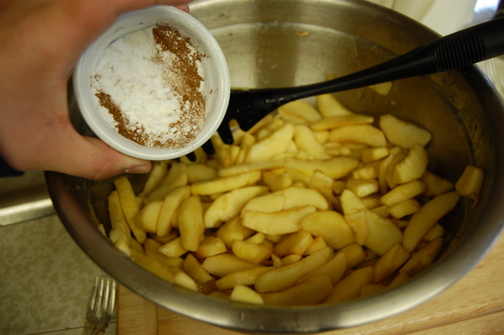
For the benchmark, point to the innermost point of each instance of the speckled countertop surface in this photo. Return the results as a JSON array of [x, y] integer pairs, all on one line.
[[45, 279]]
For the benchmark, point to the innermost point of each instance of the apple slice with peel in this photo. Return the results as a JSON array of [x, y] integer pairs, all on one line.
[[412, 167], [350, 286], [310, 292], [244, 277], [287, 276], [427, 216]]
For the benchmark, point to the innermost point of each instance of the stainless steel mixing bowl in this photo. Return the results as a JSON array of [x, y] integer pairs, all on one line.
[[271, 43]]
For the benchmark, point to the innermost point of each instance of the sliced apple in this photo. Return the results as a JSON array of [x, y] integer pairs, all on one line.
[[390, 262], [286, 276], [253, 253], [171, 203], [277, 181], [427, 216], [470, 182], [176, 176], [382, 88], [435, 184], [350, 286], [225, 184], [413, 166], [247, 295], [403, 192], [299, 111], [335, 168], [310, 292], [335, 269], [248, 167], [371, 230], [225, 264], [190, 223], [287, 199], [230, 204], [233, 230], [305, 140], [197, 172], [193, 268], [147, 218], [173, 249], [354, 254], [331, 226], [363, 187], [274, 144], [403, 134], [336, 121], [244, 277], [210, 246], [295, 243], [422, 258], [328, 105], [366, 134], [276, 223]]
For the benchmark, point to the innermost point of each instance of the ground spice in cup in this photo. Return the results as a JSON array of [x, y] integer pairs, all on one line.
[[150, 84]]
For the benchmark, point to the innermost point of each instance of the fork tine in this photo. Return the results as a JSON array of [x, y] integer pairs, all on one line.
[[93, 298], [109, 299], [99, 297], [101, 307], [208, 148]]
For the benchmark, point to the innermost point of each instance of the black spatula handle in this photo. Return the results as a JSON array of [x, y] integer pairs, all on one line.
[[469, 46], [460, 49]]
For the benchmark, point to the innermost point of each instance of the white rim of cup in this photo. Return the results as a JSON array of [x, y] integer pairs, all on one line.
[[180, 20]]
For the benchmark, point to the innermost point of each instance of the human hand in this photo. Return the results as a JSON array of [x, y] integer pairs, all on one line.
[[41, 42]]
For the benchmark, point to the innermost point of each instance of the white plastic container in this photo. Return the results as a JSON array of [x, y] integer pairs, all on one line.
[[215, 75]]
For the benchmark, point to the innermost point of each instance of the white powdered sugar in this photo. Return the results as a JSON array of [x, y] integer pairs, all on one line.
[[148, 85]]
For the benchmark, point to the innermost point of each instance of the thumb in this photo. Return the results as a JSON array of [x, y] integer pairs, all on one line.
[[91, 158]]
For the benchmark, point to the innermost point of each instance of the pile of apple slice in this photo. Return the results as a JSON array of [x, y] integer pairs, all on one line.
[[311, 205]]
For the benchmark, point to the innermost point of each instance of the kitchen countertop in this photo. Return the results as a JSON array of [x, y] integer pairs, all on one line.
[[45, 279]]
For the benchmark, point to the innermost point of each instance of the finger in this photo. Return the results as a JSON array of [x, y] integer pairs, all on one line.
[[58, 147], [184, 8], [129, 5], [91, 158], [109, 10]]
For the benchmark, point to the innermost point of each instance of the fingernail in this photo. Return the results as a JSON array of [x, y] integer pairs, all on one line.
[[139, 169]]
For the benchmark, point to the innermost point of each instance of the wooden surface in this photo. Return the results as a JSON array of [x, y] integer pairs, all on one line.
[[473, 306]]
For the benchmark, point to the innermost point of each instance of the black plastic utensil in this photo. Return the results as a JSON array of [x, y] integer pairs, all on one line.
[[457, 50]]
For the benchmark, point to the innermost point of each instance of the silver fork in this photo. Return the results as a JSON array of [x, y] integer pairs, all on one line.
[[102, 304]]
